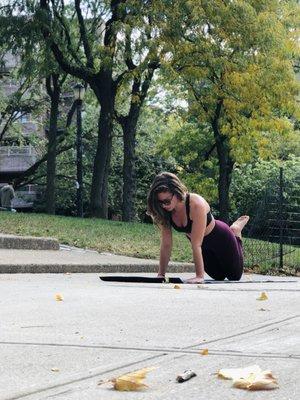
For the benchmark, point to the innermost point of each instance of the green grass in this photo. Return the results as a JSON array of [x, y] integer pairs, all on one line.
[[131, 239]]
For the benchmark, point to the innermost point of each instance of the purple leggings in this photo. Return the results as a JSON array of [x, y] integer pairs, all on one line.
[[222, 253]]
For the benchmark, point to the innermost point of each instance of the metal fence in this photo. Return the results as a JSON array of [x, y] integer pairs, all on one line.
[[17, 150], [274, 230]]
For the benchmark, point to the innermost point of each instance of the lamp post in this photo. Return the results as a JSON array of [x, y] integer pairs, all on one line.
[[79, 92]]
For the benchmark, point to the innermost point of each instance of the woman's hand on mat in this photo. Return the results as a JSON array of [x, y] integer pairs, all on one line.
[[196, 279]]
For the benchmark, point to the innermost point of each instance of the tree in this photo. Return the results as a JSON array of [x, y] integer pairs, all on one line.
[[21, 38], [236, 60], [140, 78], [91, 48]]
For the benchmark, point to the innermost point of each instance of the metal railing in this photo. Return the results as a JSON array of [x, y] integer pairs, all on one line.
[[17, 150], [274, 230]]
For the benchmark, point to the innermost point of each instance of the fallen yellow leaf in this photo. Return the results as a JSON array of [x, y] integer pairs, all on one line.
[[262, 381], [55, 369], [131, 381], [263, 296], [250, 378], [237, 373], [177, 287], [204, 352], [59, 297]]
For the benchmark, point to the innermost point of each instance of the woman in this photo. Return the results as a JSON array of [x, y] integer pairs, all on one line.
[[217, 248]]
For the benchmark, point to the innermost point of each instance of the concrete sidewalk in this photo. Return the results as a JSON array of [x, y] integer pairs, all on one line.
[[71, 259], [63, 350]]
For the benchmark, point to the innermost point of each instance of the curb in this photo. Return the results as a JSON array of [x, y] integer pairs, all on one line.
[[92, 268], [28, 242]]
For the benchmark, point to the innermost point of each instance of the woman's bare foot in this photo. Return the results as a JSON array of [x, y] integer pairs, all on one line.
[[238, 225]]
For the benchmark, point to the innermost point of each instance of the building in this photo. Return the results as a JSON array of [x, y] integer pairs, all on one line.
[[16, 152]]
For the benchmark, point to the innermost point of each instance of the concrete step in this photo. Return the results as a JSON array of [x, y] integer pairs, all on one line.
[[27, 242]]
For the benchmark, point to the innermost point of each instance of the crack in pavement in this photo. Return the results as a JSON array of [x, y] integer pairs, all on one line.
[[79, 379], [244, 332], [162, 353], [157, 349], [165, 350]]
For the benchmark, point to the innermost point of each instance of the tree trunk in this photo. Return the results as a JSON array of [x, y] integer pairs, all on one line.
[[225, 166], [225, 173], [129, 125], [99, 190], [50, 193], [129, 178]]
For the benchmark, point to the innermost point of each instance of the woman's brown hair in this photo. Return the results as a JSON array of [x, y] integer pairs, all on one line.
[[163, 182]]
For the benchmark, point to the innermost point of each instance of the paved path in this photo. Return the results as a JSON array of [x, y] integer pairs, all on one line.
[[71, 259], [102, 330]]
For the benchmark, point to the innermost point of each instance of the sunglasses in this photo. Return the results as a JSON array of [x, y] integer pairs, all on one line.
[[166, 202]]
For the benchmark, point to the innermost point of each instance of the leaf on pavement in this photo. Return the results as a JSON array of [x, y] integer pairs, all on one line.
[[237, 373], [59, 297], [54, 369], [177, 287], [204, 352], [132, 381], [262, 381], [250, 378], [263, 296]]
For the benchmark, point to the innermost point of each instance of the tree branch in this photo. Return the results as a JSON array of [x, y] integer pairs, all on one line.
[[30, 171], [83, 34], [128, 53], [68, 38], [81, 73]]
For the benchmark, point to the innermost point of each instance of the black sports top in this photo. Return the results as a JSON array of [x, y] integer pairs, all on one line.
[[188, 227]]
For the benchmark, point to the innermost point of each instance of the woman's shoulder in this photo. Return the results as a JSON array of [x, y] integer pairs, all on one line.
[[197, 201]]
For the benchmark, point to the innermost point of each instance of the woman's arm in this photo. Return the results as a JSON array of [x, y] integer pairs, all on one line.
[[198, 215], [165, 250]]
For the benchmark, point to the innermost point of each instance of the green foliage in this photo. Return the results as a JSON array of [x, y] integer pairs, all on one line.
[[187, 142], [250, 182], [241, 54], [148, 163]]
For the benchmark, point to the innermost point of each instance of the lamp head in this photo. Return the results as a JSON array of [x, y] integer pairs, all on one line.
[[79, 91]]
